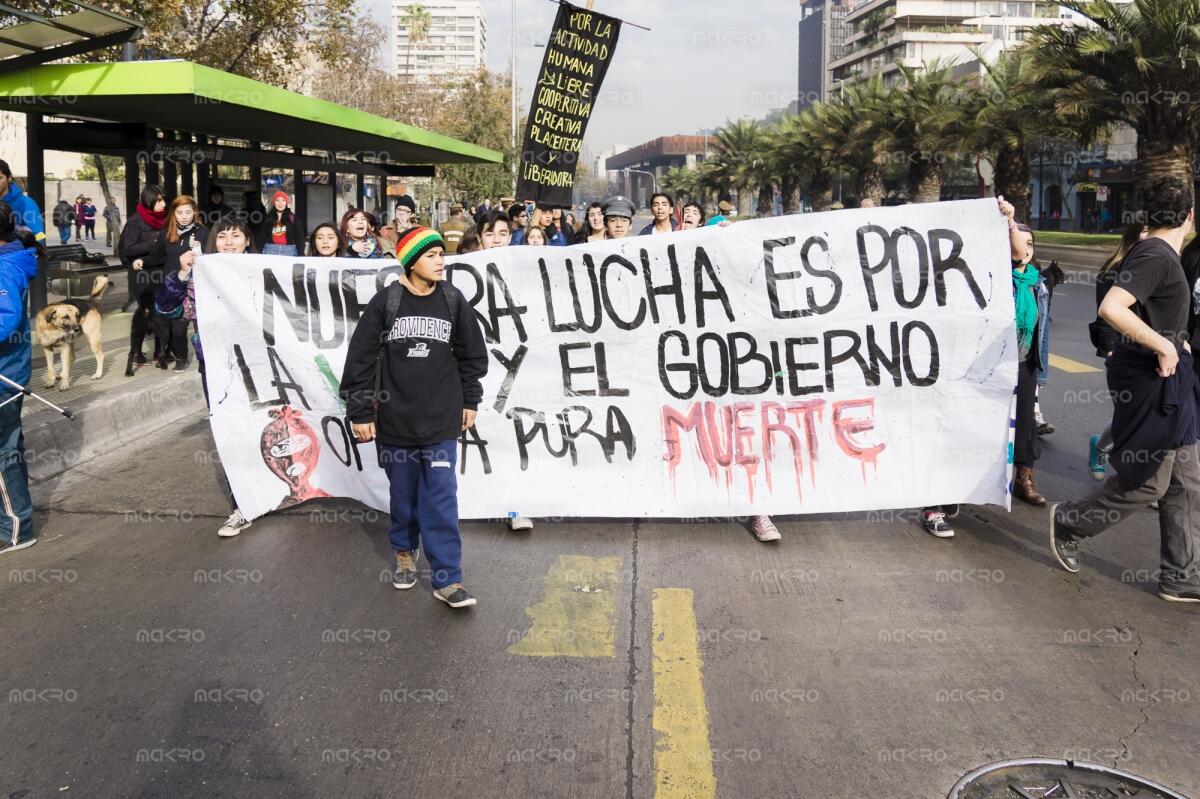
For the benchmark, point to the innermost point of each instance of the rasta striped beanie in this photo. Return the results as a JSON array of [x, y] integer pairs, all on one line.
[[416, 242]]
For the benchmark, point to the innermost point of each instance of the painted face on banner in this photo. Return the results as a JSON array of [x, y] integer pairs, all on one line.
[[290, 449]]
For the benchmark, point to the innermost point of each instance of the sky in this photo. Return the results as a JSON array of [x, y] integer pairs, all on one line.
[[701, 63]]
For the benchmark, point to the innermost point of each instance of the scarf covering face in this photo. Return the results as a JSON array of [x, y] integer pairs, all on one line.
[[155, 219], [1026, 304]]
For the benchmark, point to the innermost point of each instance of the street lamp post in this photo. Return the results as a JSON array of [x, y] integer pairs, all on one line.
[[653, 178]]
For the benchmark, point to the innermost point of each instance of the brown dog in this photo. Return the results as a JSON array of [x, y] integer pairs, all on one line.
[[57, 326]]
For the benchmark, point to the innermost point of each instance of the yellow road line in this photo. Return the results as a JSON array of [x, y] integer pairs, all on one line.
[[576, 615], [1074, 367], [682, 753]]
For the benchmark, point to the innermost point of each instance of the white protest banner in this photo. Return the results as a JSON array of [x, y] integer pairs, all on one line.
[[841, 361]]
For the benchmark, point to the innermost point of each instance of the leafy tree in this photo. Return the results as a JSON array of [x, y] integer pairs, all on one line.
[[1136, 66]]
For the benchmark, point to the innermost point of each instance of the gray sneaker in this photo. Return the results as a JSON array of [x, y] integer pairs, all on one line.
[[454, 595], [405, 574], [1065, 549]]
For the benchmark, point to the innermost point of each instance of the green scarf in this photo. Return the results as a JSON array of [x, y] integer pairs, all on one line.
[[1026, 303]]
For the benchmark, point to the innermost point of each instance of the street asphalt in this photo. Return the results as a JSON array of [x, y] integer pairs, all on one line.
[[859, 657]]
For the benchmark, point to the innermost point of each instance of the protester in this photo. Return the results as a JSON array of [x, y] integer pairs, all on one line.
[[406, 213], [253, 212], [536, 237], [493, 230], [470, 241], [593, 222], [693, 216], [453, 228], [281, 233], [1155, 393], [64, 217], [618, 216], [518, 218], [216, 208], [572, 227], [229, 235], [182, 234], [724, 209], [19, 250], [326, 241], [137, 241], [1105, 338], [89, 218], [78, 211], [358, 231], [1051, 277], [557, 233], [25, 210], [412, 383], [661, 206], [1030, 302]]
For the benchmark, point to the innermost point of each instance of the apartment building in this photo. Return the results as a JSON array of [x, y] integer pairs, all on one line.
[[454, 43]]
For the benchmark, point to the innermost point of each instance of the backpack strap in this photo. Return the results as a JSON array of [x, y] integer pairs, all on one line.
[[453, 297], [395, 293]]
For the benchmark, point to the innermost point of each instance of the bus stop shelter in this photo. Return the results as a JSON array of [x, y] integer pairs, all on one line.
[[180, 119]]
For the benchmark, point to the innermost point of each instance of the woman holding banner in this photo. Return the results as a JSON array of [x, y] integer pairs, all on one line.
[[229, 235]]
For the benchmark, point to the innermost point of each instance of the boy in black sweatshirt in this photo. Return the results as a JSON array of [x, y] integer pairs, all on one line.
[[412, 383]]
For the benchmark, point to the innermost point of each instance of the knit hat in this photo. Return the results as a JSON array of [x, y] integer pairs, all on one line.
[[408, 202], [416, 242], [279, 194]]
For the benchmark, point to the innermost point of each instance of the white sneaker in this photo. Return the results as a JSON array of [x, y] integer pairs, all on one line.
[[6, 548], [233, 525], [519, 524], [764, 529]]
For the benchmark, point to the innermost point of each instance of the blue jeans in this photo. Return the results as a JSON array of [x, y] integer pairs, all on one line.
[[279, 249], [424, 505], [16, 506], [64, 233]]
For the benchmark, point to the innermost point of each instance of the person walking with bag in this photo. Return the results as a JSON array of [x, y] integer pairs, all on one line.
[[412, 384], [1156, 403]]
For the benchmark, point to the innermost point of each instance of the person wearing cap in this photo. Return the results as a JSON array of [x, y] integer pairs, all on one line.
[[453, 228], [661, 206], [724, 209], [280, 233], [422, 336], [618, 216], [406, 213]]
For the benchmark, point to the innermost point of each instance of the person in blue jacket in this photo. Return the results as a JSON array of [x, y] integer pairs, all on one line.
[[24, 209], [18, 265]]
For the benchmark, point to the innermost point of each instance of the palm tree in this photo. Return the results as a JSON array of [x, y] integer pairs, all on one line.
[[1006, 113], [803, 142], [859, 121], [735, 149], [1138, 66], [926, 121], [417, 19]]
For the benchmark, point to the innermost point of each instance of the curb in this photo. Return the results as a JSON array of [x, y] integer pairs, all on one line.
[[106, 421]]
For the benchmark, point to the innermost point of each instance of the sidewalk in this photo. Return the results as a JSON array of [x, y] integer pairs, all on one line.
[[111, 411]]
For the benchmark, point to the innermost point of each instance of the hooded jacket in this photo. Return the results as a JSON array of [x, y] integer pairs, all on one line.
[[26, 211], [18, 266]]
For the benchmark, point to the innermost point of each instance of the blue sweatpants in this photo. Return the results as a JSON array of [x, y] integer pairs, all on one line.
[[16, 506], [424, 505]]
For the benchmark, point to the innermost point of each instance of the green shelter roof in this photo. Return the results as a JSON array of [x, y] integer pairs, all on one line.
[[184, 96]]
